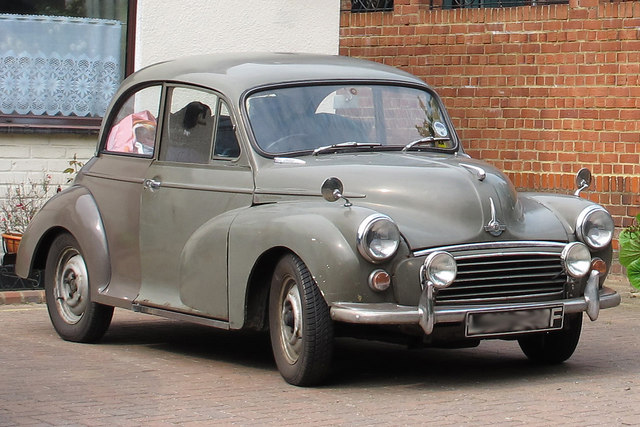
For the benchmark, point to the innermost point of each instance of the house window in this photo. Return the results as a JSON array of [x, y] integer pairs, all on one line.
[[61, 61], [371, 5], [469, 4]]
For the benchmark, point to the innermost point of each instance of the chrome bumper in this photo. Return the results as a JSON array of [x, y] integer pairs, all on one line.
[[426, 315]]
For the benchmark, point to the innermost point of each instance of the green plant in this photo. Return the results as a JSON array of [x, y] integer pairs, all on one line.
[[21, 203], [629, 240], [74, 166]]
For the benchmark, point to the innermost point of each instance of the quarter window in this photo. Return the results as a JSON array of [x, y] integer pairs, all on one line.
[[226, 145]]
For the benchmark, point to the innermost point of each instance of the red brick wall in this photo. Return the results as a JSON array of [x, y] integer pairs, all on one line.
[[539, 91]]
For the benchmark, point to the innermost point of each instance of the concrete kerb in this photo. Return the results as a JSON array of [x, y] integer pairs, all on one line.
[[22, 297]]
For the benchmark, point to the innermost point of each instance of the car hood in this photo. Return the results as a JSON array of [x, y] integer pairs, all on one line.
[[436, 200]]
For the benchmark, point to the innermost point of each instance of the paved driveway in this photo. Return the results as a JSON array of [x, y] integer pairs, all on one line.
[[154, 371]]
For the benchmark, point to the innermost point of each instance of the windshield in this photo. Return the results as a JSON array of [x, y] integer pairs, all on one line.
[[354, 117]]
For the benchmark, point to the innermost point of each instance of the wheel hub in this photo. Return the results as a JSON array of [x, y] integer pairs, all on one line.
[[71, 286], [291, 323]]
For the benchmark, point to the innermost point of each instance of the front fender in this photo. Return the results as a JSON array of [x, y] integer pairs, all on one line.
[[75, 211], [323, 235], [567, 208]]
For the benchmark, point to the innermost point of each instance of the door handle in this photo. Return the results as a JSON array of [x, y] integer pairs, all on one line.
[[151, 184]]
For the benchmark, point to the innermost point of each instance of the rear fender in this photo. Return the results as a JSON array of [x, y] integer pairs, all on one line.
[[73, 211]]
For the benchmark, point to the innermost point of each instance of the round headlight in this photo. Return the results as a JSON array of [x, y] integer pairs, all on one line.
[[378, 238], [595, 227], [440, 268], [577, 259]]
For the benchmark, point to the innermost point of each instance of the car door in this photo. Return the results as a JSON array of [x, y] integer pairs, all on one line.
[[115, 177], [200, 178]]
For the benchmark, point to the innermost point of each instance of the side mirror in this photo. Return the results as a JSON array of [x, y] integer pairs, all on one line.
[[583, 180], [332, 189]]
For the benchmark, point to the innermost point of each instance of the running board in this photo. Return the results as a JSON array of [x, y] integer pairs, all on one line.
[[175, 315]]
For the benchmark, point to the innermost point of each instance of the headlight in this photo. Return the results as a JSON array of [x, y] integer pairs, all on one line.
[[378, 238], [577, 259], [440, 268], [595, 227]]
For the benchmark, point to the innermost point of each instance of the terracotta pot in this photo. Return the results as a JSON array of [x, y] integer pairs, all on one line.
[[11, 242]]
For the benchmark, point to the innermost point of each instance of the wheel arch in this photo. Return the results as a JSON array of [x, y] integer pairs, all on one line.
[[320, 235], [73, 211], [39, 259], [257, 296]]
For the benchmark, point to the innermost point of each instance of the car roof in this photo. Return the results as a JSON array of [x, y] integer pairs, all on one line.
[[236, 73]]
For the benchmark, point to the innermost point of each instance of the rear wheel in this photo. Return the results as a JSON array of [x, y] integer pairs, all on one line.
[[300, 326], [554, 346], [74, 316]]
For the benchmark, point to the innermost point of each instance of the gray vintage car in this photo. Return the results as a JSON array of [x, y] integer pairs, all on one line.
[[312, 196]]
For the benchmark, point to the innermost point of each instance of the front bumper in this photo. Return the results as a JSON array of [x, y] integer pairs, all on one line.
[[427, 315]]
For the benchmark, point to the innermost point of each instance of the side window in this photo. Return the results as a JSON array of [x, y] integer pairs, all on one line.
[[133, 130], [226, 145], [187, 135]]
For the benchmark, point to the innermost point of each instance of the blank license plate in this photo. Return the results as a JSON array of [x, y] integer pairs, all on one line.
[[514, 321]]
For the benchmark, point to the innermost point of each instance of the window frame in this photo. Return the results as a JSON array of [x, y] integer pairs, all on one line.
[[253, 139], [366, 6], [222, 101], [18, 123], [112, 114], [488, 4], [166, 109]]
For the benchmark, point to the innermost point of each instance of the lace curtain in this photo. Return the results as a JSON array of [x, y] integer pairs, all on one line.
[[57, 65]]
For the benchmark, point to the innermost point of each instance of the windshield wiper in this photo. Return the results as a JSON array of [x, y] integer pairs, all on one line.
[[343, 145], [425, 140]]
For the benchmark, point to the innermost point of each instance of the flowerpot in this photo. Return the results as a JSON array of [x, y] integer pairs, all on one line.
[[11, 242]]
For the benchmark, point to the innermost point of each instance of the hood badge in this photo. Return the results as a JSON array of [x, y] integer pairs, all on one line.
[[494, 227]]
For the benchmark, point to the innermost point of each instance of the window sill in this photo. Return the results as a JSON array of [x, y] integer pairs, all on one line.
[[26, 124]]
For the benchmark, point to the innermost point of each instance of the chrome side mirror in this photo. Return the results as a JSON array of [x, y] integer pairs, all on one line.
[[332, 189], [583, 180]]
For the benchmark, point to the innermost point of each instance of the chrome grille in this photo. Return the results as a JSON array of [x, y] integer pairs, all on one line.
[[509, 275]]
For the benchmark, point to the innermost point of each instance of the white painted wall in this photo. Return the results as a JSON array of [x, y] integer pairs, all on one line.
[[191, 27], [27, 157]]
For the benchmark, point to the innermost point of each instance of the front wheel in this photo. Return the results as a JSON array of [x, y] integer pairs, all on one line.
[[300, 326], [74, 316], [555, 346]]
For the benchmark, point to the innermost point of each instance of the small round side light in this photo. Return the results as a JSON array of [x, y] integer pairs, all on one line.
[[379, 280]]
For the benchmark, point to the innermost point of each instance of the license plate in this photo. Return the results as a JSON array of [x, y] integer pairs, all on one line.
[[514, 321]]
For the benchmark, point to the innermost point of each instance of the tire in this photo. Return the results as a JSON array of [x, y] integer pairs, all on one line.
[[300, 325], [68, 293], [555, 346]]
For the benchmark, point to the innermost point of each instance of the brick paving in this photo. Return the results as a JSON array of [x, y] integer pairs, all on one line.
[[153, 371]]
